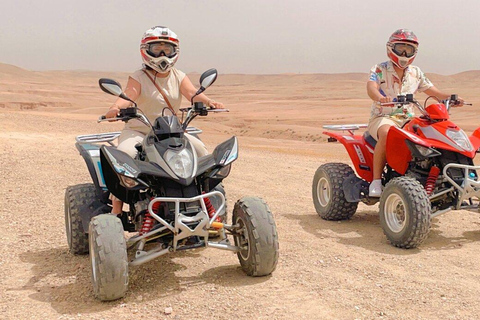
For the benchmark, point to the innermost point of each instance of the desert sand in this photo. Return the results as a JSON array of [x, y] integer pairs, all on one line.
[[326, 270]]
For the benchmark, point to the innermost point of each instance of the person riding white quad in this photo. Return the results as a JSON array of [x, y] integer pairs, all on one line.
[[388, 80], [155, 87]]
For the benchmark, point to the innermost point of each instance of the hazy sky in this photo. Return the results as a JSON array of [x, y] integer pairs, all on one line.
[[242, 36]]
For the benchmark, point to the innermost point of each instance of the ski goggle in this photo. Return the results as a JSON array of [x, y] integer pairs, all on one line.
[[157, 49], [404, 49]]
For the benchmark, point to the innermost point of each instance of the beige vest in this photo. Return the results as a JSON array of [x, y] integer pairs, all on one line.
[[151, 102]]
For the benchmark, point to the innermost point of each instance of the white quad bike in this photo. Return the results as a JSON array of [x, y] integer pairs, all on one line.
[[176, 200]]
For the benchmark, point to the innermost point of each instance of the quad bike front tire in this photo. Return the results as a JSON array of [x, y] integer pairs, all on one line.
[[77, 197], [256, 235], [405, 212], [327, 192], [108, 257]]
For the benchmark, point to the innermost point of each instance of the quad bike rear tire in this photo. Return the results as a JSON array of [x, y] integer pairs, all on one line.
[[405, 212], [257, 235], [327, 192], [108, 257], [76, 198]]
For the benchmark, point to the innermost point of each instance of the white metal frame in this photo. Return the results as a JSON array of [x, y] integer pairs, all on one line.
[[180, 229], [97, 138]]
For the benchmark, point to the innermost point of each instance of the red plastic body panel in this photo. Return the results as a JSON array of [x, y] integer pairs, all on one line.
[[441, 127], [438, 111], [360, 154], [398, 154], [419, 130], [475, 139]]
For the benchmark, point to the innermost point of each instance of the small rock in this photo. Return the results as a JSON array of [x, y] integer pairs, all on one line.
[[168, 310]]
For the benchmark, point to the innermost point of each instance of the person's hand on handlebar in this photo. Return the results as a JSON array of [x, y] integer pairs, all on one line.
[[112, 112], [458, 103], [212, 104], [385, 100]]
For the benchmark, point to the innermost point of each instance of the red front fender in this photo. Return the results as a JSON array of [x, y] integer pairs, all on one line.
[[398, 154], [475, 139]]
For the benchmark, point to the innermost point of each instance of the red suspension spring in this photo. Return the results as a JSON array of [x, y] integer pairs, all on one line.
[[431, 180], [210, 208], [148, 220]]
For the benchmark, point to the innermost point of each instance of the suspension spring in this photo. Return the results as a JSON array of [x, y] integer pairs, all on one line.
[[148, 220], [210, 208], [431, 180]]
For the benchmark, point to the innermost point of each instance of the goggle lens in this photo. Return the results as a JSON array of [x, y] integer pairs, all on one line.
[[158, 49], [404, 49]]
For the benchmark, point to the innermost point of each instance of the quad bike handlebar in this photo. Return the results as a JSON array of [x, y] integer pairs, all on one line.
[[197, 109], [404, 100], [126, 115]]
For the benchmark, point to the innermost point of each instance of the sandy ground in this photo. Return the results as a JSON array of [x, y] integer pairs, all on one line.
[[326, 270]]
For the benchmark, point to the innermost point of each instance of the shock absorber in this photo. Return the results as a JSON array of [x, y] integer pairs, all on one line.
[[148, 221], [431, 180], [210, 208]]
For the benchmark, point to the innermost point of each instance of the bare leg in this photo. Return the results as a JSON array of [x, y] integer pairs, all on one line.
[[380, 154], [379, 161], [117, 206]]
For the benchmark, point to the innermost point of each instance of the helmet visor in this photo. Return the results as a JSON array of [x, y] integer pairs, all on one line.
[[158, 49], [404, 49]]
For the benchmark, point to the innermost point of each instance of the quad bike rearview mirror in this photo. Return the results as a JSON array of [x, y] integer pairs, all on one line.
[[207, 78], [112, 87]]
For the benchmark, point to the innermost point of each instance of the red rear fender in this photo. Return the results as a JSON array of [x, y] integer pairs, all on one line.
[[360, 154]]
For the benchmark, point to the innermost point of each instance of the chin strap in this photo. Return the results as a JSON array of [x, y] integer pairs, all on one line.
[[161, 92]]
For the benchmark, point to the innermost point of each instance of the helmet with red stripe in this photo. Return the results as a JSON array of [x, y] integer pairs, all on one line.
[[402, 47], [160, 48]]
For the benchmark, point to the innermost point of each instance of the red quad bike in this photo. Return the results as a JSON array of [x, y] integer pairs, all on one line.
[[429, 171]]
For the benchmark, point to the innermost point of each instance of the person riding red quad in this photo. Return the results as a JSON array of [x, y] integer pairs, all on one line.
[[388, 80]]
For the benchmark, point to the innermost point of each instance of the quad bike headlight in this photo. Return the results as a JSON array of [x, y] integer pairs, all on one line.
[[181, 162], [460, 138], [426, 152]]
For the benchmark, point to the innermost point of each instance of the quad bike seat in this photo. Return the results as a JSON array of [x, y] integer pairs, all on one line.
[[369, 139]]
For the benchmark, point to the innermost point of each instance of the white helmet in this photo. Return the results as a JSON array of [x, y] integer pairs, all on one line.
[[160, 48]]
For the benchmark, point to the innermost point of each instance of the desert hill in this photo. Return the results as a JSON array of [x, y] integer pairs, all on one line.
[[301, 101]]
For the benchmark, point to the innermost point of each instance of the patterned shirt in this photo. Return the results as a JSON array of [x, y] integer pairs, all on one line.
[[390, 85]]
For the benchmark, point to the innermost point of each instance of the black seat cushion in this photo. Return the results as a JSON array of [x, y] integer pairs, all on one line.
[[369, 139]]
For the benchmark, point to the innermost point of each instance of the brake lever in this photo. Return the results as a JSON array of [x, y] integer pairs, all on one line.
[[103, 118], [217, 110]]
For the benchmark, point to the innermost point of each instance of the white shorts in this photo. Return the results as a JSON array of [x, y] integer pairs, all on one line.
[[375, 124]]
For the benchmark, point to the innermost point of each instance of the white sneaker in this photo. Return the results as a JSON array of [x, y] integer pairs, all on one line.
[[375, 188]]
